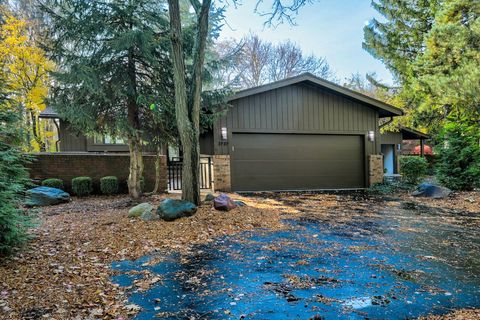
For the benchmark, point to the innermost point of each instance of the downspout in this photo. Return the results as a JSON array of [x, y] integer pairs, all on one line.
[[386, 123]]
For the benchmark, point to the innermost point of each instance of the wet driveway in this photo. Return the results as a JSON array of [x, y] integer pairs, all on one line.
[[391, 260]]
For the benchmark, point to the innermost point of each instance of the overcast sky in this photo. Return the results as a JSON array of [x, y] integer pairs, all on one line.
[[329, 28]]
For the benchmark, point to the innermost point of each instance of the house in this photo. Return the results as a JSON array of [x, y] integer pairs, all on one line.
[[300, 133]]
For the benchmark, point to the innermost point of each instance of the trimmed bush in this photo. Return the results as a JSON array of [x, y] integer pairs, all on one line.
[[109, 185], [82, 186], [53, 183], [413, 168]]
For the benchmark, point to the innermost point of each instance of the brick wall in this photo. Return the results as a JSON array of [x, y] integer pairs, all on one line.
[[375, 169], [67, 166], [221, 173]]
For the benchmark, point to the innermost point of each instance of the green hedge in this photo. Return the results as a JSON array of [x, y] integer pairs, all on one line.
[[109, 185], [413, 168], [53, 183], [82, 186]]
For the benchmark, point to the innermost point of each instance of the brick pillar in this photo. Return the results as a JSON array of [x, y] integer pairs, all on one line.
[[375, 169], [221, 173]]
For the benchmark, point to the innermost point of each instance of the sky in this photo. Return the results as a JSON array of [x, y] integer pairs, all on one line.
[[327, 28]]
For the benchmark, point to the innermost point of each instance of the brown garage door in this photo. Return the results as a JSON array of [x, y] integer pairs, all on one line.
[[297, 162]]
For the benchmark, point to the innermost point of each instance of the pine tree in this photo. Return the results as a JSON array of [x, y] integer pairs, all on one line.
[[431, 46], [14, 223], [112, 65]]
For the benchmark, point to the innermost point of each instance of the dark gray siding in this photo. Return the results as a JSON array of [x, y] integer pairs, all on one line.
[[299, 108], [391, 138], [70, 140]]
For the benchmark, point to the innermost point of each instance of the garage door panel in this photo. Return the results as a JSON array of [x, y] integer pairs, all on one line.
[[296, 162]]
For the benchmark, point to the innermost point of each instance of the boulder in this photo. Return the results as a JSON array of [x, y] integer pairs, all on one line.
[[171, 209], [139, 209], [431, 191], [224, 203], [209, 197], [46, 196], [240, 203], [149, 216]]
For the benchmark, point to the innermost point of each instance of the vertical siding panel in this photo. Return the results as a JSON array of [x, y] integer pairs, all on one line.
[[353, 116], [257, 110], [290, 109], [280, 106], [251, 111], [310, 110], [336, 114], [235, 111], [294, 99], [330, 112], [317, 100], [266, 114], [285, 108], [320, 102]]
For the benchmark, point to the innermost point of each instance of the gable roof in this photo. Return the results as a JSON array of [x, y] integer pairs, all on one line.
[[384, 109]]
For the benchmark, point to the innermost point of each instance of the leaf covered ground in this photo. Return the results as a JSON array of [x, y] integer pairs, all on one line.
[[64, 273]]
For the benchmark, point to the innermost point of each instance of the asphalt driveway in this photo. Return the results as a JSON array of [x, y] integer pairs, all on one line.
[[358, 259]]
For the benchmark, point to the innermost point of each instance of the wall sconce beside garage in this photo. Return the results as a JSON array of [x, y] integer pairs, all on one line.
[[371, 136], [224, 134]]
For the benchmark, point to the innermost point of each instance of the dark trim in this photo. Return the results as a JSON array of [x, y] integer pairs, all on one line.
[[412, 134], [390, 111]]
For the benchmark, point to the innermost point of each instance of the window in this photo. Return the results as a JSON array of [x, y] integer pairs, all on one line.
[[107, 139]]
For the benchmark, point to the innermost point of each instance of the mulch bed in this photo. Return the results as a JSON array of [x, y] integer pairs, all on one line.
[[64, 271]]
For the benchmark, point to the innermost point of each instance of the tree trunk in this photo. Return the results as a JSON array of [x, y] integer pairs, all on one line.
[[134, 137], [157, 172], [36, 134], [187, 107], [136, 167]]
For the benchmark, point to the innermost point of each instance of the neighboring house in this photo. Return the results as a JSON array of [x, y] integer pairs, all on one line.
[[300, 133]]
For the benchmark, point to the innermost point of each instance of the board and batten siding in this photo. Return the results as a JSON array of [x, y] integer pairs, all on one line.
[[391, 138], [298, 108]]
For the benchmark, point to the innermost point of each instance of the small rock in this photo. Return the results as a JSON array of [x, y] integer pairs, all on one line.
[[139, 209], [224, 203], [240, 203], [171, 209], [209, 197]]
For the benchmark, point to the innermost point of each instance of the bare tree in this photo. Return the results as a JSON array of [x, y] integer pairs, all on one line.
[[258, 62]]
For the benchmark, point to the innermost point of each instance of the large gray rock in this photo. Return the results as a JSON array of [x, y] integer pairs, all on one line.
[[139, 209], [46, 196], [171, 209], [431, 191], [224, 203]]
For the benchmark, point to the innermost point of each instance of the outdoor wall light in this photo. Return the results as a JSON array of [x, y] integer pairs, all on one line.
[[371, 136], [399, 146], [224, 134]]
